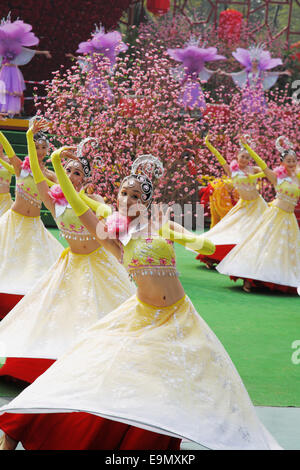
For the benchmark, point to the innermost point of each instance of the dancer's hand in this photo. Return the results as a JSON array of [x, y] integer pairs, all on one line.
[[3, 116], [40, 125], [242, 139], [68, 152]]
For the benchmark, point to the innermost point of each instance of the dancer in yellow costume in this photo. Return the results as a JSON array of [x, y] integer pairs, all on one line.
[[5, 180], [270, 254], [223, 198], [84, 284], [27, 248], [152, 364], [234, 227]]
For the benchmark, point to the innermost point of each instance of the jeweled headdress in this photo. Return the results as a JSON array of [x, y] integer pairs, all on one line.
[[83, 160], [250, 141], [284, 151], [144, 169]]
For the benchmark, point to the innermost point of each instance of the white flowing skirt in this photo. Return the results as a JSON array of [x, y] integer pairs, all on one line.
[[160, 369], [27, 251], [270, 253], [234, 227], [75, 292]]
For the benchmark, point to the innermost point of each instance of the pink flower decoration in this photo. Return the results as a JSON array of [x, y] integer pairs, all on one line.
[[149, 240], [280, 172], [234, 166], [135, 261], [117, 223], [26, 164], [57, 195], [163, 261], [150, 260], [173, 261]]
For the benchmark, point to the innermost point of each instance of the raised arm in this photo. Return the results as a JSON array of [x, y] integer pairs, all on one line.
[[79, 204], [15, 161], [271, 175], [4, 163], [40, 180], [177, 233], [217, 154]]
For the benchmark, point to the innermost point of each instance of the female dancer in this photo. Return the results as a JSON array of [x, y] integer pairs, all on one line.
[[27, 248], [235, 226], [84, 284], [270, 254], [148, 372], [13, 37], [5, 179], [256, 77]]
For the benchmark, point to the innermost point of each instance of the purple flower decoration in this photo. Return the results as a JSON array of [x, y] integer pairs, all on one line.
[[13, 36], [107, 44], [193, 59], [263, 58]]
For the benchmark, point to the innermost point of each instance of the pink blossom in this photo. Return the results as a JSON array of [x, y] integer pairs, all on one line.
[[281, 172], [57, 195], [26, 164], [234, 166], [116, 223]]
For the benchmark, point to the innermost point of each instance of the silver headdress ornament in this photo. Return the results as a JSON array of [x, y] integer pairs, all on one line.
[[255, 51], [144, 169], [40, 136], [99, 29], [249, 140], [149, 165], [83, 160], [284, 150], [6, 20], [193, 41]]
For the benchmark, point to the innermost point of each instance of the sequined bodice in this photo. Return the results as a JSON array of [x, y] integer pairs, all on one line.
[[26, 188], [70, 226], [241, 181], [5, 177], [288, 191], [150, 256]]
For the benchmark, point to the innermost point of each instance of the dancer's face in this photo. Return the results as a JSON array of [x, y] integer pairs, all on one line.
[[290, 162], [41, 150], [74, 171], [129, 199], [243, 159], [254, 65]]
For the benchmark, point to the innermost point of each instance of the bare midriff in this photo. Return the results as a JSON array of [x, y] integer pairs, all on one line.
[[159, 291]]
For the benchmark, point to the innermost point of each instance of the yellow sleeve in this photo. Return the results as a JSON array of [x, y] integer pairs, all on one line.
[[256, 176], [66, 185], [216, 153], [100, 209], [197, 243], [6, 146], [6, 165], [255, 157], [37, 173]]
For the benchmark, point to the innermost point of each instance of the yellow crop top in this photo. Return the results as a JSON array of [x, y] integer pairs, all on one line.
[[27, 189], [70, 226], [5, 177], [288, 191], [150, 256], [244, 182]]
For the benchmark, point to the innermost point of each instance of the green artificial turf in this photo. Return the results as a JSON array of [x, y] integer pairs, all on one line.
[[257, 330]]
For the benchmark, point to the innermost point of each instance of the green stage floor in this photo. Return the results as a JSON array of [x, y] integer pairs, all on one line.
[[258, 331]]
